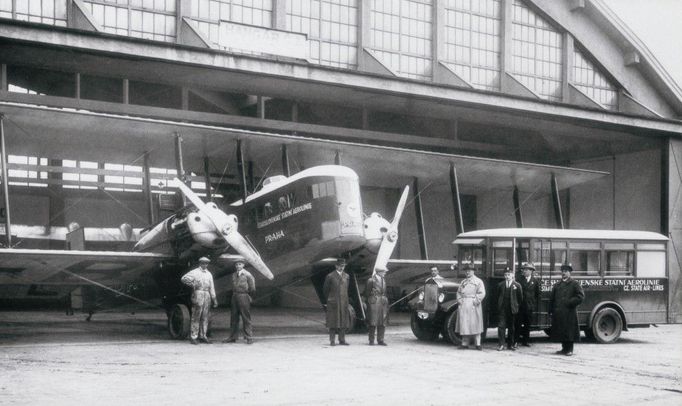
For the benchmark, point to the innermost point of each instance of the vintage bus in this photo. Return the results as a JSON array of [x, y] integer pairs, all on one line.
[[623, 273]]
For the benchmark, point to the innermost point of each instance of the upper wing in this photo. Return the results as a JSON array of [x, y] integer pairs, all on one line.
[[61, 267]]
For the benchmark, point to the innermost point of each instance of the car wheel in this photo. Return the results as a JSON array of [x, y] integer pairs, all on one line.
[[422, 329], [449, 329]]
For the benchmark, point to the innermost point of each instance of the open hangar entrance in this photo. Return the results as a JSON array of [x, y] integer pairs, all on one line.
[[493, 193]]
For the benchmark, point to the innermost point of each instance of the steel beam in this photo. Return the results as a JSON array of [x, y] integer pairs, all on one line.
[[557, 203], [421, 233], [456, 200], [207, 179], [240, 169], [285, 161], [179, 164], [151, 218], [517, 207], [5, 182]]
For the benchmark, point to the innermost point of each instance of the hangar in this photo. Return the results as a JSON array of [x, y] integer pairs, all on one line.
[[103, 101]]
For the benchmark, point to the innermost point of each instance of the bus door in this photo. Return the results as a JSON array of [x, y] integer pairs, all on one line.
[[548, 256], [502, 257]]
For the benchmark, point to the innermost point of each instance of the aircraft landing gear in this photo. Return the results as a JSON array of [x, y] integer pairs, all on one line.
[[179, 321]]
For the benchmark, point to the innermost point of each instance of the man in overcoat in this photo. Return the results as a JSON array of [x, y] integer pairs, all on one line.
[[243, 286], [567, 294], [203, 294], [509, 298], [377, 306], [335, 290], [531, 299]]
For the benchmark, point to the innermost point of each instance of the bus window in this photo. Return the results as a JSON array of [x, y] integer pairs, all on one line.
[[651, 261], [502, 257], [542, 257], [620, 263], [558, 257], [585, 258], [472, 254], [522, 251]]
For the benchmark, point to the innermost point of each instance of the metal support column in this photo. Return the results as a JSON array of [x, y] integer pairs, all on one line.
[[285, 161], [420, 219], [249, 177], [557, 203], [5, 182], [337, 158], [151, 218], [240, 169], [179, 165], [517, 207], [207, 179], [77, 85], [456, 201]]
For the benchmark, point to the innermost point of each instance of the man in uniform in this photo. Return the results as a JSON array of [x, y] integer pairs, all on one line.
[[243, 286], [335, 290], [567, 294], [531, 298], [201, 281], [377, 306], [509, 296]]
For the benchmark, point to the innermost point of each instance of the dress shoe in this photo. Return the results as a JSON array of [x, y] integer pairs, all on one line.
[[343, 343], [560, 352], [230, 340], [193, 341], [513, 348], [479, 348], [500, 348], [371, 343], [249, 341], [525, 344], [569, 354], [383, 343], [463, 347], [205, 340], [332, 343]]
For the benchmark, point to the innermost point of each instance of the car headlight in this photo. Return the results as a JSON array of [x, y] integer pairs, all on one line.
[[441, 297], [421, 295]]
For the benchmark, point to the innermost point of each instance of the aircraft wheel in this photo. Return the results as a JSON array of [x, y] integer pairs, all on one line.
[[607, 325], [424, 331], [449, 329], [179, 322]]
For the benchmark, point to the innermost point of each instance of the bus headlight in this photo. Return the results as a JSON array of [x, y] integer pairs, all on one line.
[[441, 297], [421, 296]]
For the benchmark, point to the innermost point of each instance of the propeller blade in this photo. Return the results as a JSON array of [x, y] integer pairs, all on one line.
[[226, 225], [239, 243], [391, 237], [400, 208]]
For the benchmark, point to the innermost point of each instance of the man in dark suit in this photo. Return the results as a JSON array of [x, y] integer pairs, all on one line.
[[335, 290], [531, 299], [509, 298], [567, 294]]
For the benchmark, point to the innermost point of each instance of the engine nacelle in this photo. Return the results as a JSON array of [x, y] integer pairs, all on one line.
[[375, 227]]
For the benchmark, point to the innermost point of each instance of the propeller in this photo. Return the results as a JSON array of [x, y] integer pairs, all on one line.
[[391, 236], [226, 225]]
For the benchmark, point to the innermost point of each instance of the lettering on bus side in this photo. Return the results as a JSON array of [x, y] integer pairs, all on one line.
[[613, 285]]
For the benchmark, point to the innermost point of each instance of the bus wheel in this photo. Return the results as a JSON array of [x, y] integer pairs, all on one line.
[[607, 325], [449, 329], [422, 330], [179, 322]]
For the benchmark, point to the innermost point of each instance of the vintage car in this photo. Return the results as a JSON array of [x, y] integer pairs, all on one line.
[[435, 310]]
